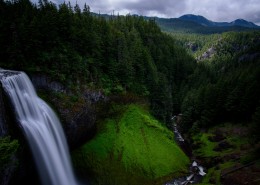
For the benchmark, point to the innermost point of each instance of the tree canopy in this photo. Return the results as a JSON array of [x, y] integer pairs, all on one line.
[[118, 54]]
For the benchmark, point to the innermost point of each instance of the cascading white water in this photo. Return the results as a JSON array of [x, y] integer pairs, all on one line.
[[42, 130]]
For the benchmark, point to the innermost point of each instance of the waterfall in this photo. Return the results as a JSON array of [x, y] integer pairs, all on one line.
[[42, 129]]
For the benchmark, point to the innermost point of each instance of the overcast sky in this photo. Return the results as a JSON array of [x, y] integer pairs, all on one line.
[[215, 10]]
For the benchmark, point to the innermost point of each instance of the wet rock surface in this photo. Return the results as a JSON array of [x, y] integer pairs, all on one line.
[[79, 126], [79, 121], [195, 176], [41, 81], [196, 171]]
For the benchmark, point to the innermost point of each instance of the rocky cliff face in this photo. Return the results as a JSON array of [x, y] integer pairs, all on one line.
[[78, 118], [44, 82], [77, 112], [207, 54], [3, 125]]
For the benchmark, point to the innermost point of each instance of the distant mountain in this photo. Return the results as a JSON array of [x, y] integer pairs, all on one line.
[[198, 24], [197, 19], [242, 22], [205, 22]]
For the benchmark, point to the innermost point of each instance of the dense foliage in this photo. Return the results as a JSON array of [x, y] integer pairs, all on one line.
[[120, 54], [225, 87], [8, 148], [128, 54], [126, 150], [196, 44]]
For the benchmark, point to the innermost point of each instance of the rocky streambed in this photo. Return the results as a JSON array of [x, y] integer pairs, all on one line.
[[195, 176], [196, 172]]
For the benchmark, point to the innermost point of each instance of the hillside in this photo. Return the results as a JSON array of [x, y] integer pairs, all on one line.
[[221, 106], [205, 22], [78, 63], [235, 56], [127, 148], [200, 25], [125, 78]]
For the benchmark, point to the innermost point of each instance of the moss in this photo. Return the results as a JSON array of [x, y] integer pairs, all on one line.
[[241, 151], [206, 146], [134, 147], [8, 148]]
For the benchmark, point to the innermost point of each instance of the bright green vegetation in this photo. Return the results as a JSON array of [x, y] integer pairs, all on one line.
[[129, 55], [8, 148], [206, 147], [131, 149], [241, 150]]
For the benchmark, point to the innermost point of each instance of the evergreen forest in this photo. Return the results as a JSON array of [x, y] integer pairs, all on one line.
[[146, 76]]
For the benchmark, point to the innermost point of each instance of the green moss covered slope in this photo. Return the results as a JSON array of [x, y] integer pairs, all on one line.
[[132, 149]]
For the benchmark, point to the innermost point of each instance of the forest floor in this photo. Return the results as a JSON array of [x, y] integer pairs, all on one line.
[[228, 155]]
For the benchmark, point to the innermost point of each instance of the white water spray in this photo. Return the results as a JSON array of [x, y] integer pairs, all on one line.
[[42, 130]]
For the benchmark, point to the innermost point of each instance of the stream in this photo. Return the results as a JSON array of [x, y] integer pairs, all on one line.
[[196, 172], [195, 176]]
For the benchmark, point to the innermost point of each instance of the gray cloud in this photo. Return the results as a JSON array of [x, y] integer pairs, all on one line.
[[216, 10]]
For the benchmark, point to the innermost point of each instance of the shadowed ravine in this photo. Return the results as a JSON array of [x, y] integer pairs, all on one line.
[[41, 128]]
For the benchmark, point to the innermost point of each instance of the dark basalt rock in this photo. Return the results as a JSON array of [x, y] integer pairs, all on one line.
[[41, 81], [82, 128], [79, 126]]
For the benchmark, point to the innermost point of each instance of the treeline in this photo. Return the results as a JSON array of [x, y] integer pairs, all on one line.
[[227, 87], [176, 26], [121, 54], [128, 54]]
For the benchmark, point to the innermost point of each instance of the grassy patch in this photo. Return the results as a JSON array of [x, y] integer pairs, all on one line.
[[206, 146], [133, 148], [8, 148], [240, 150]]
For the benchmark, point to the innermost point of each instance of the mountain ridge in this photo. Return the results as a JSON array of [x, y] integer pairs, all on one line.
[[205, 22], [198, 24]]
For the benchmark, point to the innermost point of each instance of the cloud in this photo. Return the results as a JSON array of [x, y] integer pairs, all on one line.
[[226, 10], [216, 10]]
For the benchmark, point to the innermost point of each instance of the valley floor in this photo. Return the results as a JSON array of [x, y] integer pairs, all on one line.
[[228, 154]]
